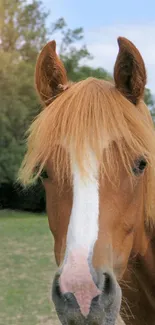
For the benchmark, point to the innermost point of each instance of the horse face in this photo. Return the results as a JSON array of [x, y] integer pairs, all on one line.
[[96, 225], [85, 288]]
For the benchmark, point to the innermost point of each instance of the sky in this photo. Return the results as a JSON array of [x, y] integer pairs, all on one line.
[[103, 21]]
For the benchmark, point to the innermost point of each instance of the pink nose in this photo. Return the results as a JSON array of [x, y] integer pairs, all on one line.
[[77, 279]]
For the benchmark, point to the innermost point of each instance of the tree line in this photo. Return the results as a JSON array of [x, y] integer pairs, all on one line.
[[23, 32]]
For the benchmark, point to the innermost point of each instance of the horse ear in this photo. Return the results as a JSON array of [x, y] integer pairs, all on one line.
[[50, 74], [129, 71]]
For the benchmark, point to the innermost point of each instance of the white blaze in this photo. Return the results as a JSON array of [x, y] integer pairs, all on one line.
[[83, 226], [82, 235]]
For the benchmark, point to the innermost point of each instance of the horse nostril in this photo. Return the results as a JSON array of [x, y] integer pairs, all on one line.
[[72, 322], [95, 300], [70, 300], [107, 288], [57, 289], [62, 298]]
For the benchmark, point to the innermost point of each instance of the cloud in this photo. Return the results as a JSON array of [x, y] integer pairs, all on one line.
[[102, 43]]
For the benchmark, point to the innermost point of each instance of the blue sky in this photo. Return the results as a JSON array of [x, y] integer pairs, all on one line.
[[96, 13], [103, 21]]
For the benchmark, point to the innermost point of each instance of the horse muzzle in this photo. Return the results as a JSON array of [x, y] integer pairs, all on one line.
[[96, 302]]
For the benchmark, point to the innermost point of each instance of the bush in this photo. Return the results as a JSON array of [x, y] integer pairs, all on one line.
[[15, 197]]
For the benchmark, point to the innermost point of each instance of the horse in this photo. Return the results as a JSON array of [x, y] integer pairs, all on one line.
[[93, 146]]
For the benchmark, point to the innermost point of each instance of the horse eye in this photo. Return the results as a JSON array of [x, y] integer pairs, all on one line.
[[139, 166], [44, 174]]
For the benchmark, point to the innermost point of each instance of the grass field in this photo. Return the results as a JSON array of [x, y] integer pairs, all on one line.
[[27, 267]]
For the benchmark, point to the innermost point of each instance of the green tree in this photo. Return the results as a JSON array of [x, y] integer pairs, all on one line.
[[150, 102], [18, 105], [70, 53], [73, 55], [84, 72], [22, 34], [22, 27]]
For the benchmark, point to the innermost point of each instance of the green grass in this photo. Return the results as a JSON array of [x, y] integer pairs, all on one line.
[[27, 267]]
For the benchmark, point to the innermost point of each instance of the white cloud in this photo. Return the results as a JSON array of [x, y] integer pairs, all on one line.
[[102, 43]]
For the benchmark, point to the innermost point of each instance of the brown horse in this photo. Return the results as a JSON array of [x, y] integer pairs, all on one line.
[[96, 142]]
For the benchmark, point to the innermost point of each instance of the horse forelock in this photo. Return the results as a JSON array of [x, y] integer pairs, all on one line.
[[91, 114]]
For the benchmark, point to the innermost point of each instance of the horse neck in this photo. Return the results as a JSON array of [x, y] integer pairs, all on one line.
[[138, 287]]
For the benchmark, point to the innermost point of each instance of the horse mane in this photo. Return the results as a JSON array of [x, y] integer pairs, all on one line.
[[91, 114]]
